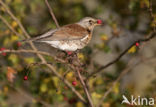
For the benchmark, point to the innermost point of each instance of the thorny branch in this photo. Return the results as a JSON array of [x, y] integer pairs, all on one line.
[[52, 13]]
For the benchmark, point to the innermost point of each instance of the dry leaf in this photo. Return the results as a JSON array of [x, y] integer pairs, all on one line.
[[11, 74], [132, 49]]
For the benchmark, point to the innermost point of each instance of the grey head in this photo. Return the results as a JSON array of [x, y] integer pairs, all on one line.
[[89, 22]]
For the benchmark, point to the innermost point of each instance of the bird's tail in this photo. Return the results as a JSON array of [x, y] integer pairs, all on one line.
[[38, 38]]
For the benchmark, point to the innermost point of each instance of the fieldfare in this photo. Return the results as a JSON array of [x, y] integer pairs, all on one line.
[[70, 37]]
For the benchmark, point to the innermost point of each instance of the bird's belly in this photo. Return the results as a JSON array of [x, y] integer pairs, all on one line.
[[66, 45], [70, 45]]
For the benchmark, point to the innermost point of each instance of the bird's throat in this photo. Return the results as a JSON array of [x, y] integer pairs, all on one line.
[[89, 31]]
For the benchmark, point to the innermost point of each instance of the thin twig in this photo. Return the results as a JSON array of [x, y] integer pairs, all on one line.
[[125, 71], [48, 54], [77, 67], [32, 51], [5, 21], [152, 15], [122, 54], [22, 28], [25, 51], [52, 14], [85, 88]]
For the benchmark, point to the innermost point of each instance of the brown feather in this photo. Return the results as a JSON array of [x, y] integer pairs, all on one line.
[[68, 32]]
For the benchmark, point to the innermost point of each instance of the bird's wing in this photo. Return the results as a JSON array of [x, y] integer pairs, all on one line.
[[68, 32], [49, 33]]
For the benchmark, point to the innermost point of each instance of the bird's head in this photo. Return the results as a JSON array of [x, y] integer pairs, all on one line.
[[89, 22]]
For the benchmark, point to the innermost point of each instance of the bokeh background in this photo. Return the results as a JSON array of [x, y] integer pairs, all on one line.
[[126, 21]]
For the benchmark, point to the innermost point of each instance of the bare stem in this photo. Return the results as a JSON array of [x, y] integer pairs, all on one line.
[[52, 13], [85, 88]]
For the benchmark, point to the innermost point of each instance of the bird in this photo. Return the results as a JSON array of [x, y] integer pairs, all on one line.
[[70, 37]]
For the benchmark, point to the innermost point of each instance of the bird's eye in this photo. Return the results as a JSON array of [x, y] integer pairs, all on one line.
[[90, 22]]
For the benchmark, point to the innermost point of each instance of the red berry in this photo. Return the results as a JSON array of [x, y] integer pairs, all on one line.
[[72, 101], [137, 44], [2, 49], [99, 21], [74, 83], [25, 77], [19, 44], [69, 53], [4, 54]]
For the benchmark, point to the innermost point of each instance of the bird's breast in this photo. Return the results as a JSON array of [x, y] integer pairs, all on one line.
[[86, 39], [70, 45]]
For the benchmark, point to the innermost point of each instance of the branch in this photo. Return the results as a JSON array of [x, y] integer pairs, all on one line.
[[139, 41], [25, 51], [5, 22], [128, 68], [14, 18], [78, 72], [22, 28], [52, 14], [77, 66], [151, 15], [40, 56], [32, 51], [122, 54], [84, 87], [43, 53]]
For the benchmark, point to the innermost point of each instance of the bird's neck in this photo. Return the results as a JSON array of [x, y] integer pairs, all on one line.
[[81, 24]]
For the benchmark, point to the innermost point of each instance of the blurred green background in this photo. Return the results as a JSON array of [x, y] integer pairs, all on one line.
[[126, 21]]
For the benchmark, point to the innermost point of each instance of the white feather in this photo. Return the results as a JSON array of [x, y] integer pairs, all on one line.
[[63, 46], [84, 38], [67, 45], [50, 32]]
